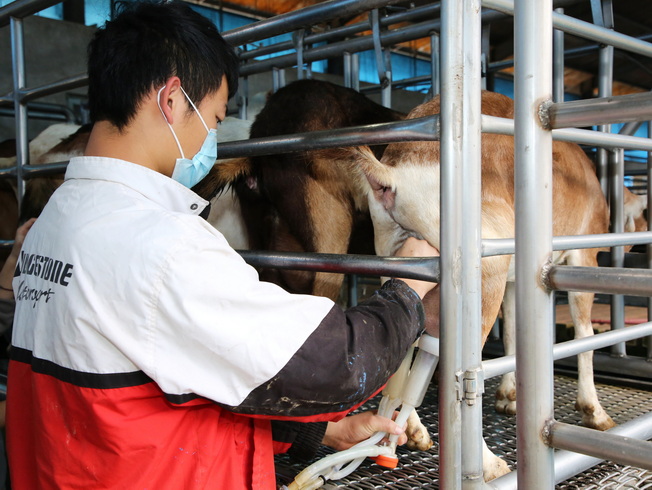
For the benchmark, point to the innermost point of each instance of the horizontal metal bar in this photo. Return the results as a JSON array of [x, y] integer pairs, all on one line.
[[406, 82], [419, 129], [357, 44], [507, 364], [505, 246], [615, 368], [604, 445], [42, 110], [601, 240], [75, 81], [568, 54], [498, 125], [424, 128], [601, 35], [31, 171], [605, 110], [568, 464], [582, 29], [42, 115], [305, 17], [425, 11], [7, 172], [268, 50], [336, 49], [23, 8], [426, 269], [602, 140], [610, 280]]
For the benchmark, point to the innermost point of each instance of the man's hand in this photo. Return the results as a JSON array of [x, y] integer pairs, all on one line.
[[356, 428]]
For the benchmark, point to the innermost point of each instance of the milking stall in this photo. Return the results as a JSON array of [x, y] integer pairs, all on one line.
[[574, 76]]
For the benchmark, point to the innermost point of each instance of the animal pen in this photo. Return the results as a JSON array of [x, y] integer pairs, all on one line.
[[544, 446]]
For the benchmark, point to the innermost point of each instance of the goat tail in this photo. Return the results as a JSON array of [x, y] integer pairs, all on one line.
[[377, 172]]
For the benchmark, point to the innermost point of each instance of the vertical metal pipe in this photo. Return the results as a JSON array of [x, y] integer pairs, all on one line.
[[450, 416], [243, 89], [471, 247], [355, 72], [558, 63], [604, 17], [461, 246], [649, 227], [383, 60], [533, 195], [353, 289], [20, 109], [435, 81], [486, 48], [616, 183], [346, 61], [278, 78], [495, 330], [276, 84], [281, 78], [297, 38], [386, 90]]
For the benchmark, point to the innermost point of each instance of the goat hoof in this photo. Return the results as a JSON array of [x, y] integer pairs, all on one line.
[[603, 422], [506, 402], [419, 440], [595, 418], [508, 407]]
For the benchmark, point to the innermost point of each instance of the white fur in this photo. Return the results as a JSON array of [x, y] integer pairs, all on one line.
[[226, 214], [44, 142]]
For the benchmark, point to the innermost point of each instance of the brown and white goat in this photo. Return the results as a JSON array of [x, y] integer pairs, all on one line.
[[404, 197], [311, 201]]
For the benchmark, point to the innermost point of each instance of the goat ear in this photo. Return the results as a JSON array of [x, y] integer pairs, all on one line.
[[223, 174]]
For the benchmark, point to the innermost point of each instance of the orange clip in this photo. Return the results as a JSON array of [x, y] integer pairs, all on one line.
[[386, 461]]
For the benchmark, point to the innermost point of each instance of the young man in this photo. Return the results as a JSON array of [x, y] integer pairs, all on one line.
[[146, 353]]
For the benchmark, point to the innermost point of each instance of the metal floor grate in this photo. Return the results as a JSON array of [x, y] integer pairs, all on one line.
[[418, 469]]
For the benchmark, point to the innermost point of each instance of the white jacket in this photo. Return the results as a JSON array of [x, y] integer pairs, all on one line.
[[151, 287]]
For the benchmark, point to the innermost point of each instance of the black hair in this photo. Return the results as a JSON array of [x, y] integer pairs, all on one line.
[[147, 43]]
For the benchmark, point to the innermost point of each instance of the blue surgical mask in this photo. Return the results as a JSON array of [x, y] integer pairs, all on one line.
[[186, 171]]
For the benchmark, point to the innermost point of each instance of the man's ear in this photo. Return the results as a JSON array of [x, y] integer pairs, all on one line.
[[169, 98]]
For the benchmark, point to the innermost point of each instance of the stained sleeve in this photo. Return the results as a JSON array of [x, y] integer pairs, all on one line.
[[346, 360]]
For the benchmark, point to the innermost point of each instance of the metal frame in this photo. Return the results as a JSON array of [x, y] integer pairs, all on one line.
[[536, 121], [13, 14]]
